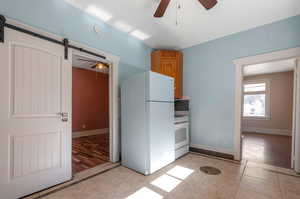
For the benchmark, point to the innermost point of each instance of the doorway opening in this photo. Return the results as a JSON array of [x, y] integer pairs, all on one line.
[[90, 113], [288, 55], [267, 112], [282, 55]]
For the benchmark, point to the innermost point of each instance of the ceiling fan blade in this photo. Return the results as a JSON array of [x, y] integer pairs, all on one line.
[[208, 4], [94, 66], [162, 8]]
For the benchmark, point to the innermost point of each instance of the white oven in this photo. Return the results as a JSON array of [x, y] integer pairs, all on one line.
[[181, 136]]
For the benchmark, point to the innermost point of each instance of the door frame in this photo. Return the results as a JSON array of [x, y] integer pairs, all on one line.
[[293, 53], [113, 60], [113, 98]]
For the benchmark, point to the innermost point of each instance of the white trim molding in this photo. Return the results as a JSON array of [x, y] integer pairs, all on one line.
[[78, 134], [284, 132], [114, 135], [240, 63], [214, 149]]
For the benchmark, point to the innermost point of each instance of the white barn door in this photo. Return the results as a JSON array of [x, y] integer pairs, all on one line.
[[35, 87]]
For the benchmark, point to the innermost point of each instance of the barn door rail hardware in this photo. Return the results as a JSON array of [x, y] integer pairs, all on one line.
[[2, 23], [64, 42]]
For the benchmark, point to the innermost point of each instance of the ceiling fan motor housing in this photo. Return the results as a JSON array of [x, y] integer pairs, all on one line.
[[208, 4]]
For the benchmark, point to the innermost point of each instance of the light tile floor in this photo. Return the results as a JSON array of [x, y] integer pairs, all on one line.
[[184, 180]]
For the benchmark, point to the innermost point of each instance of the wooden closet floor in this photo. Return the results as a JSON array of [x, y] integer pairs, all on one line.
[[89, 151]]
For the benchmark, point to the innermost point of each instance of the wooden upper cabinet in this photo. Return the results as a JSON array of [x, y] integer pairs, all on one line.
[[169, 63]]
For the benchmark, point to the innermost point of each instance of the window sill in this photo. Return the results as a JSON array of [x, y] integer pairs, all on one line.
[[256, 118]]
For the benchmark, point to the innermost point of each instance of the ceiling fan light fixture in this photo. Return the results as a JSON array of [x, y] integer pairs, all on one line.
[[100, 66]]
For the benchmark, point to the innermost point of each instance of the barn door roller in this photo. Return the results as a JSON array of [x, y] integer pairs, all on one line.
[[66, 45], [2, 24], [64, 42]]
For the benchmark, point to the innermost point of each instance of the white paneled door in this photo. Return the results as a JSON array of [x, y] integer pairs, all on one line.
[[35, 87]]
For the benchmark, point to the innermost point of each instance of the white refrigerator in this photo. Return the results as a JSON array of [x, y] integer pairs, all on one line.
[[147, 121]]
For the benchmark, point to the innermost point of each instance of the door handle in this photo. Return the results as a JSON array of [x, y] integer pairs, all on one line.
[[64, 116]]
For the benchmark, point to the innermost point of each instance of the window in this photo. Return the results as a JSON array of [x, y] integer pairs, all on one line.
[[256, 99]]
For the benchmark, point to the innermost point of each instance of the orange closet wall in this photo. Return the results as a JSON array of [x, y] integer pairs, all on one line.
[[90, 103]]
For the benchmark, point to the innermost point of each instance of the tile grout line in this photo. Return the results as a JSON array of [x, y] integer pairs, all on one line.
[[276, 169], [282, 191], [240, 181], [279, 172], [250, 176]]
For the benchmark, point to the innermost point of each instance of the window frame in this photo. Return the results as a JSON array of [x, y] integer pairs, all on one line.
[[267, 93]]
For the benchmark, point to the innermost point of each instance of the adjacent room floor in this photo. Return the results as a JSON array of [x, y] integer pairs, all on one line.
[[269, 149], [184, 180], [89, 151]]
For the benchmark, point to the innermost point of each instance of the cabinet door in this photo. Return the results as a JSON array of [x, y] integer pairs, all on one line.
[[179, 74], [167, 67], [169, 63], [172, 68]]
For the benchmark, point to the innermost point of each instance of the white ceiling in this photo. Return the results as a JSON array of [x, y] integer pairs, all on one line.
[[196, 25], [270, 67], [86, 65]]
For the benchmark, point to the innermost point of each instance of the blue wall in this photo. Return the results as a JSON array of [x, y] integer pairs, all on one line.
[[59, 17], [209, 77], [208, 68]]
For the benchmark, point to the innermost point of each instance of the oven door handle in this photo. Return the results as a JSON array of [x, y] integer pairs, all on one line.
[[185, 122]]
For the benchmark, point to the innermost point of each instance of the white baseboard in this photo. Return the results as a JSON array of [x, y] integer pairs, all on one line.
[[78, 134], [284, 132], [215, 149]]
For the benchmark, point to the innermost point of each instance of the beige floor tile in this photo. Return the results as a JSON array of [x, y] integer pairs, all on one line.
[[272, 168], [261, 186], [292, 195], [248, 194], [233, 183], [289, 179], [290, 186], [266, 176]]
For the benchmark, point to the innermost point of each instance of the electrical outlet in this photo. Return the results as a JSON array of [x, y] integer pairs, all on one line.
[[83, 126]]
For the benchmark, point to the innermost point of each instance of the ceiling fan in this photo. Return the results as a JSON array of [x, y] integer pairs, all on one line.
[[208, 4], [96, 64]]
